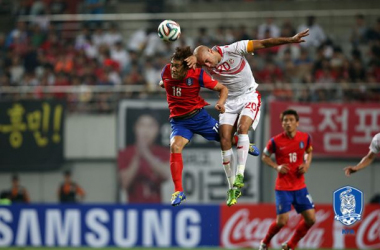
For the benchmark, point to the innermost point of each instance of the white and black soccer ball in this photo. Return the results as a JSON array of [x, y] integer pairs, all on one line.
[[169, 30]]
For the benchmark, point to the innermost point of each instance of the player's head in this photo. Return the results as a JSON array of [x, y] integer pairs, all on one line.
[[67, 175], [146, 129], [15, 179], [289, 120], [206, 56], [178, 66]]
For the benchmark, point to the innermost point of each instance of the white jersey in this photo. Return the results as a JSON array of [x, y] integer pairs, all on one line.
[[375, 144], [233, 70]]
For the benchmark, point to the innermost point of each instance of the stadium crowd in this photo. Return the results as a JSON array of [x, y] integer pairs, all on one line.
[[45, 53]]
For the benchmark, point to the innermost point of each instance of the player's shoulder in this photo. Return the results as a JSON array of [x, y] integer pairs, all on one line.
[[303, 134], [277, 138], [165, 73], [377, 137], [194, 73]]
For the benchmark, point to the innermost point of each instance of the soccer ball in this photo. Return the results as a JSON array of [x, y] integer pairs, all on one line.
[[169, 30]]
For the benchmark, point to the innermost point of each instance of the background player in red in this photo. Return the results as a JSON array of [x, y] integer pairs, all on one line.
[[187, 115], [293, 151]]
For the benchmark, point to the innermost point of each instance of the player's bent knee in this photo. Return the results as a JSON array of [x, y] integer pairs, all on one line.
[[225, 142], [281, 222], [243, 129], [310, 221], [176, 148]]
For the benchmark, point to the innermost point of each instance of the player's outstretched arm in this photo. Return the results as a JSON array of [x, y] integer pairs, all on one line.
[[366, 160], [223, 93], [271, 42]]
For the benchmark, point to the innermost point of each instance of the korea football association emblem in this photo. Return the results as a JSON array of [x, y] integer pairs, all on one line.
[[189, 81], [348, 205]]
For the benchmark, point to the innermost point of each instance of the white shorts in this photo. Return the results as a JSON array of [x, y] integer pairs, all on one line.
[[248, 104]]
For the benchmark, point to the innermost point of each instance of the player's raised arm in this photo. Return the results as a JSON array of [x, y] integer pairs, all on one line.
[[366, 160], [271, 42], [223, 93]]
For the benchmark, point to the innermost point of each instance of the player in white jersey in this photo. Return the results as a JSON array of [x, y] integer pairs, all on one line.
[[374, 149], [228, 66]]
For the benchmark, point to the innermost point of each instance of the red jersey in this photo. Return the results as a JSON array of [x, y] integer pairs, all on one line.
[[183, 95], [289, 151], [146, 185]]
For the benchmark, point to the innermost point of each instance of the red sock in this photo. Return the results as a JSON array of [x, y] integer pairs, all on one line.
[[273, 229], [300, 232], [236, 139], [176, 166]]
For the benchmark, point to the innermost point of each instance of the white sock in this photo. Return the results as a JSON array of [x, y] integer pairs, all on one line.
[[242, 153], [228, 165]]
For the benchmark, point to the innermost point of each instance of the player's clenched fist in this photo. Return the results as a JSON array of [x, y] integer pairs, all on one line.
[[220, 107]]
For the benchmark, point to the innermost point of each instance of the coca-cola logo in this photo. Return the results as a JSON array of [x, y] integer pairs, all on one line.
[[241, 231], [368, 236]]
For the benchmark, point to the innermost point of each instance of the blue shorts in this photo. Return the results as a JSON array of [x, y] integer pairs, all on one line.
[[300, 199], [201, 123]]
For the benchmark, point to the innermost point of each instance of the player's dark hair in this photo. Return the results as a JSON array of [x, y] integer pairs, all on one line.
[[290, 112], [181, 54]]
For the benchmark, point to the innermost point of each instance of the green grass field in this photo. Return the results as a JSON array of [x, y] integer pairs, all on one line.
[[135, 248]]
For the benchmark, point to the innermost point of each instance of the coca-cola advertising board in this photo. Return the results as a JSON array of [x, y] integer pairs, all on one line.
[[337, 130], [244, 226]]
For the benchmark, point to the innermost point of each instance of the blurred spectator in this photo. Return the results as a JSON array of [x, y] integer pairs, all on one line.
[[18, 35], [203, 38], [137, 40], [242, 33], [113, 35], [374, 33], [42, 20], [269, 26], [16, 70], [98, 37], [94, 6], [57, 7], [359, 32], [120, 55], [37, 37], [69, 191], [82, 37], [18, 193], [22, 7], [152, 75], [154, 45], [316, 34]]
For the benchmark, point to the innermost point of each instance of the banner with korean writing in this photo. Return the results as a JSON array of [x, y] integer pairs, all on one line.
[[31, 135], [144, 153], [337, 130]]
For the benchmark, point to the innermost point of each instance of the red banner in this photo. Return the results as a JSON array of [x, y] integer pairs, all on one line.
[[339, 130], [244, 226]]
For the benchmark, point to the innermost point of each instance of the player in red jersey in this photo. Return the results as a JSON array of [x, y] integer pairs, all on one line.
[[293, 151], [187, 115]]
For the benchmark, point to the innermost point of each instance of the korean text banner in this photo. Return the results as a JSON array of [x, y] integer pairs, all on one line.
[[31, 135], [337, 130], [144, 158]]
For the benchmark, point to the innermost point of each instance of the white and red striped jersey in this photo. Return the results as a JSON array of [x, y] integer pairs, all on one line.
[[234, 71]]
